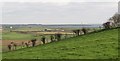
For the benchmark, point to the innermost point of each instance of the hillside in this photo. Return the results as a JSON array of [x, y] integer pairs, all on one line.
[[99, 45]]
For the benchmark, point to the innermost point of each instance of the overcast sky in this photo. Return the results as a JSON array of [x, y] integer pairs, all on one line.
[[58, 11]]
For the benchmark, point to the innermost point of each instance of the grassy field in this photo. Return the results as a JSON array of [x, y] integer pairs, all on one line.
[[28, 36], [16, 36], [7, 35], [100, 45]]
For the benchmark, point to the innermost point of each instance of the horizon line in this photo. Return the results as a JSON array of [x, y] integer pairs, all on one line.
[[49, 24]]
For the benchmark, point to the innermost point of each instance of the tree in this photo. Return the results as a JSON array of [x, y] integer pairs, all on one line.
[[9, 47], [77, 32], [33, 42], [84, 30], [106, 25], [43, 39], [58, 36], [116, 20], [52, 38]]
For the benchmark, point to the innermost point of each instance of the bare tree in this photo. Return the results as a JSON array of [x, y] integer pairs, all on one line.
[[33, 42], [52, 38], [77, 32], [43, 39], [58, 36], [106, 25], [84, 30], [116, 20]]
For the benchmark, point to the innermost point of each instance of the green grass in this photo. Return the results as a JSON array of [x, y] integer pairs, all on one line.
[[21, 36], [100, 45], [16, 36]]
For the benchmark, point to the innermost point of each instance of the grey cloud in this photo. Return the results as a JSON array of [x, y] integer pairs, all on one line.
[[74, 12]]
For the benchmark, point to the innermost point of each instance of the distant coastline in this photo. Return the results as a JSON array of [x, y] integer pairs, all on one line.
[[55, 25]]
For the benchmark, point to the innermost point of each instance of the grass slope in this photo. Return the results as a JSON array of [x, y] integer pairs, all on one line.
[[101, 45]]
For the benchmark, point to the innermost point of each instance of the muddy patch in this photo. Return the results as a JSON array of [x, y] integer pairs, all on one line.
[[5, 44]]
